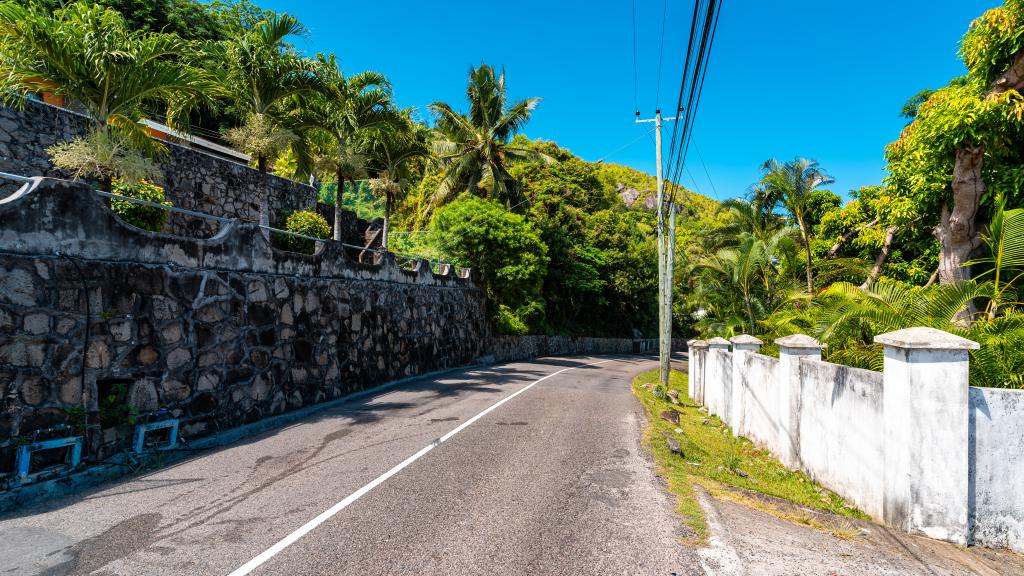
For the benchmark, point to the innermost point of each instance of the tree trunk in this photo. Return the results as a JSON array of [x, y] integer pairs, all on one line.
[[106, 183], [750, 313], [957, 230], [337, 206], [387, 223], [261, 163], [846, 237], [876, 270], [1012, 79], [807, 249]]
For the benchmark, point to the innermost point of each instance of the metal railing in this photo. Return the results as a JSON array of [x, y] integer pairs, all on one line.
[[403, 259], [15, 177]]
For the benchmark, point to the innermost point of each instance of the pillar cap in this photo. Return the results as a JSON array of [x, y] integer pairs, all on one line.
[[718, 341], [799, 341], [698, 343], [922, 338], [745, 339]]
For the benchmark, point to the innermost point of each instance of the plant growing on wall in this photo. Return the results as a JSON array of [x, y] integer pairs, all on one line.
[[307, 223], [145, 217], [88, 54]]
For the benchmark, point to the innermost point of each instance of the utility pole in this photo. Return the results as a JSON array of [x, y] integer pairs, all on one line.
[[666, 249]]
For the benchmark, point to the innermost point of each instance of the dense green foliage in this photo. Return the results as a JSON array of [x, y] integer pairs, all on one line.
[[306, 223], [876, 259], [187, 19], [505, 250], [552, 241], [145, 217], [89, 54]]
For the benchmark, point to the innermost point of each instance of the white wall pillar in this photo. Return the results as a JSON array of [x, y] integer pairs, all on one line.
[[925, 410], [691, 365], [741, 346], [698, 356], [791, 350], [718, 378]]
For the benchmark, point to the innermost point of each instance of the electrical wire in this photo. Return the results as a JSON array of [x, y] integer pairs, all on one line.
[[636, 99], [706, 173], [661, 53], [704, 25], [623, 147]]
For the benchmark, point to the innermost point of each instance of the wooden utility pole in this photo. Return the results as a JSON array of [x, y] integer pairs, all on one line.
[[666, 260]]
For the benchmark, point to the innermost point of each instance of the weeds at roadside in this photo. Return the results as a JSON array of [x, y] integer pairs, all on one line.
[[727, 466]]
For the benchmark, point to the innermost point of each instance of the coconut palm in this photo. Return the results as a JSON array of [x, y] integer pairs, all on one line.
[[791, 184], [475, 149], [393, 149], [335, 118], [259, 74], [88, 54]]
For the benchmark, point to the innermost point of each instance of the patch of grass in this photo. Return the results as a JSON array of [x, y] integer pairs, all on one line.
[[717, 460]]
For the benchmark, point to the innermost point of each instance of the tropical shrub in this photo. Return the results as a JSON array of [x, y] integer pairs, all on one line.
[[104, 155], [502, 247], [139, 215], [307, 223], [508, 322]]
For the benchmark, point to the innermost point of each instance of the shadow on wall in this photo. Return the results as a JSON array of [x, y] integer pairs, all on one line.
[[219, 332]]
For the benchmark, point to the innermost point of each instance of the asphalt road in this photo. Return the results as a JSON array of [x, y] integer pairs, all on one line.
[[552, 481]]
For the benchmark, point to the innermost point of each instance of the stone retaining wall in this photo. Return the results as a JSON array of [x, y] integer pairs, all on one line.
[[220, 332], [513, 348], [191, 179]]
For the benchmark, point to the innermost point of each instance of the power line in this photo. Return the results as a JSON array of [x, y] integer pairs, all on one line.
[[636, 104], [706, 173], [661, 52], [704, 25], [624, 146]]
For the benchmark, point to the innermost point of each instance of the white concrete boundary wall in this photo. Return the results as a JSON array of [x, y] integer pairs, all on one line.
[[841, 438], [996, 457], [761, 418], [912, 446]]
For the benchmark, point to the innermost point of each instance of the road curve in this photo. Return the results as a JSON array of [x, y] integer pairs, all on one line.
[[552, 481]]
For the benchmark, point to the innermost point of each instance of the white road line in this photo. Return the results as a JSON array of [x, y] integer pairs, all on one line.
[[327, 514]]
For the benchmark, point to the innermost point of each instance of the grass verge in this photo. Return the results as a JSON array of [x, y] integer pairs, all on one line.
[[728, 467]]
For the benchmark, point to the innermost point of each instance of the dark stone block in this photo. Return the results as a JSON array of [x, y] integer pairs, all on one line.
[[303, 351], [261, 314], [201, 404]]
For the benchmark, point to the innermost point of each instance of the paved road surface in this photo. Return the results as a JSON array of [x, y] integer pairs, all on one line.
[[554, 481], [551, 482]]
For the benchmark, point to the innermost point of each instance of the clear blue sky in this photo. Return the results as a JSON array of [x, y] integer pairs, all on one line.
[[823, 79]]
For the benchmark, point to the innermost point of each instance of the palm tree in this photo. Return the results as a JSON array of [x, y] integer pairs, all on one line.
[[343, 110], [258, 74], [792, 184], [475, 149], [87, 54], [393, 149], [1005, 240]]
